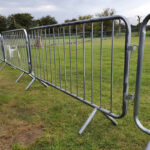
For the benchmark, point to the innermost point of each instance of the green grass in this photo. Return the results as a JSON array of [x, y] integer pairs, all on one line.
[[61, 115]]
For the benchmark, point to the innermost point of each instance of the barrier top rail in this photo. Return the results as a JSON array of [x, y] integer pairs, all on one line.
[[88, 21], [15, 30]]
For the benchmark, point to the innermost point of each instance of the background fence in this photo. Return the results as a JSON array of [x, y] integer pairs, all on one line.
[[16, 49]]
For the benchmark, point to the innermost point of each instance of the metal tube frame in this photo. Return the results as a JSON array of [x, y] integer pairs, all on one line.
[[139, 74], [29, 71], [109, 114], [126, 62]]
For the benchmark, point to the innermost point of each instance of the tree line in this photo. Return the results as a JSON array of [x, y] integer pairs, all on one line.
[[26, 20], [23, 20]]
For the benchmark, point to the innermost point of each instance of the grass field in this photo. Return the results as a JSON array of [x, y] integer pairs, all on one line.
[[47, 119]]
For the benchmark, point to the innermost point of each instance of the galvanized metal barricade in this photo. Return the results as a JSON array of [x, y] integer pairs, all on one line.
[[139, 77], [139, 73], [65, 57], [16, 50]]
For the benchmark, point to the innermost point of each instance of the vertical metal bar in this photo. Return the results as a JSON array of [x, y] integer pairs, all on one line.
[[33, 43], [46, 55], [77, 58], [43, 52], [21, 45], [39, 48], [59, 59], [101, 48], [28, 51], [50, 55], [84, 59], [33, 50], [70, 58], [112, 52], [13, 42], [17, 41], [92, 63], [54, 53], [64, 54], [24, 49], [36, 52]]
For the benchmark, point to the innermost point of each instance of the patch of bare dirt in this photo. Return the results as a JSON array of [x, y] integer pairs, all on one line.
[[22, 135]]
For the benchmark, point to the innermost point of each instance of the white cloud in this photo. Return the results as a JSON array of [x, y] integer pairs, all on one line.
[[42, 8], [67, 9], [141, 10]]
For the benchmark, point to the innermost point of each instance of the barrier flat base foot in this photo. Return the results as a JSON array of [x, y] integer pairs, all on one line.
[[88, 121], [20, 77], [30, 84], [2, 67]]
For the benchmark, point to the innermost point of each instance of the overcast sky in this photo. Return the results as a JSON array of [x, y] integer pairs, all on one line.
[[68, 9]]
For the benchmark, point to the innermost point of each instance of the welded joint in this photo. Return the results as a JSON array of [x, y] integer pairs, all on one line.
[[130, 97], [132, 48]]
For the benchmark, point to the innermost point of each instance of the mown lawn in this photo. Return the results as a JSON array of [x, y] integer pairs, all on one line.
[[47, 119]]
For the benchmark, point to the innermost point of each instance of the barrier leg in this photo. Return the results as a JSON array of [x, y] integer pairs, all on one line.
[[91, 117], [147, 146], [88, 121], [111, 119], [30, 83], [19, 77], [2, 67]]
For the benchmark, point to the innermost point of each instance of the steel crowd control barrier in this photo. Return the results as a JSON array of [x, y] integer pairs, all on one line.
[[139, 77], [16, 52], [62, 57], [81, 62]]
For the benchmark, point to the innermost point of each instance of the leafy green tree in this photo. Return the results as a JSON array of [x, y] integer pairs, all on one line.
[[70, 20], [85, 17], [20, 20], [73, 28], [3, 23], [106, 12], [107, 24], [48, 20], [87, 26]]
